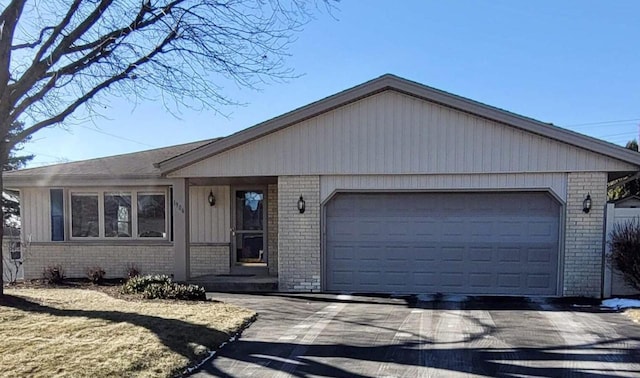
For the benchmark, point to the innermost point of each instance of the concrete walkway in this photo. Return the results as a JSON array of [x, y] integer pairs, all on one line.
[[341, 336]]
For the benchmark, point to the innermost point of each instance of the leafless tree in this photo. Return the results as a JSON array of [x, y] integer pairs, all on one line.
[[59, 59]]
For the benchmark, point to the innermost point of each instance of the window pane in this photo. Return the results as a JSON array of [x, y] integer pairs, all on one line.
[[151, 216], [249, 210], [84, 215], [117, 215]]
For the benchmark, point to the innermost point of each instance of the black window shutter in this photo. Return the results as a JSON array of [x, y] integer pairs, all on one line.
[[171, 210], [57, 215]]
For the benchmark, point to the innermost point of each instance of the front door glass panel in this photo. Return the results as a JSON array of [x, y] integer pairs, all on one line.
[[249, 226], [249, 248]]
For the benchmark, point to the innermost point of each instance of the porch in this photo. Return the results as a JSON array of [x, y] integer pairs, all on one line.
[[240, 282], [226, 232]]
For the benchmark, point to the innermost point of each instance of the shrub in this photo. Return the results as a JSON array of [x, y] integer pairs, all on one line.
[[53, 274], [155, 291], [132, 271], [174, 291], [188, 292], [95, 274], [624, 243], [162, 287], [138, 284]]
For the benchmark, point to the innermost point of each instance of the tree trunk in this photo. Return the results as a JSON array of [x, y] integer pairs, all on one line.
[[3, 159]]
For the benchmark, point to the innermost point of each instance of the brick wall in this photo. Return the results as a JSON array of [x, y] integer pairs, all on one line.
[[272, 228], [299, 234], [584, 234], [75, 258], [209, 259]]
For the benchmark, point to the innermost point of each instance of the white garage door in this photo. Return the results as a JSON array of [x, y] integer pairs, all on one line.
[[451, 243]]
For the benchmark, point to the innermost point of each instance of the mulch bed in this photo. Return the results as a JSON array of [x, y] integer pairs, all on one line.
[[111, 287]]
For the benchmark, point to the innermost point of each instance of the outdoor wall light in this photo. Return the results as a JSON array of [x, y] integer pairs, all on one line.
[[211, 199], [301, 205], [586, 204]]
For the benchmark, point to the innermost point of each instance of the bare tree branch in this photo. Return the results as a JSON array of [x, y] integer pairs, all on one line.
[[30, 45], [87, 96]]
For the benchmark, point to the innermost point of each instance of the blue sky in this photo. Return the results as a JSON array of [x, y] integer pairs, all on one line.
[[573, 63]]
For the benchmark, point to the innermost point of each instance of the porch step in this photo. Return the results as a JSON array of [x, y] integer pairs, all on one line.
[[237, 283]]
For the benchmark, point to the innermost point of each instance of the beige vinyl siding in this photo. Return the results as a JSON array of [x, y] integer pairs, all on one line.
[[209, 224], [36, 210], [557, 182], [392, 133]]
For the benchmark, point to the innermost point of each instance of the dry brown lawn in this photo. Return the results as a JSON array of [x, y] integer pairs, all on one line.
[[81, 333]]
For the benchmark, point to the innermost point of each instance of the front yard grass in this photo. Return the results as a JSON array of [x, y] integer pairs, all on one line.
[[80, 333]]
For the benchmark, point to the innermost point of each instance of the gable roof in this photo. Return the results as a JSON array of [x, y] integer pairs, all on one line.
[[132, 165], [390, 82]]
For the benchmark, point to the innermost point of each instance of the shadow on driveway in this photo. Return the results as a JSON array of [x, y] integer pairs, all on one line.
[[491, 362], [376, 336]]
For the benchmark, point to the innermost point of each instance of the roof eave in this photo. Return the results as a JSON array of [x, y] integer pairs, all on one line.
[[18, 181]]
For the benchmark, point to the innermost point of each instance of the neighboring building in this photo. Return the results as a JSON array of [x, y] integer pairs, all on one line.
[[631, 202], [406, 189]]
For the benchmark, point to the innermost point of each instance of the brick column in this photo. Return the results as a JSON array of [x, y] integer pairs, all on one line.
[[272, 228], [181, 234], [298, 234], [583, 249]]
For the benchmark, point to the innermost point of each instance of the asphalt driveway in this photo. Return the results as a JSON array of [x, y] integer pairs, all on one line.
[[354, 336]]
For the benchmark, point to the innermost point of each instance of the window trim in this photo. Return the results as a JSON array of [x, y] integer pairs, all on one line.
[[101, 192]]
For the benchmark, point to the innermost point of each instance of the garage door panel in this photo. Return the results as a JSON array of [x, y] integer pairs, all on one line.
[[452, 254], [453, 279], [481, 254], [424, 255], [538, 281], [539, 255], [480, 230], [340, 277], [475, 243], [481, 280], [509, 280], [510, 254], [369, 277], [539, 228]]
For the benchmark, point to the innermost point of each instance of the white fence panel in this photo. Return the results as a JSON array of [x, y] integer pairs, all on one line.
[[613, 283]]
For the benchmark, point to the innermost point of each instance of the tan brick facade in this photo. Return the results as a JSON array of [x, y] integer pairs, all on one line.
[[583, 249], [209, 259], [299, 234], [294, 242], [272, 228], [75, 258]]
